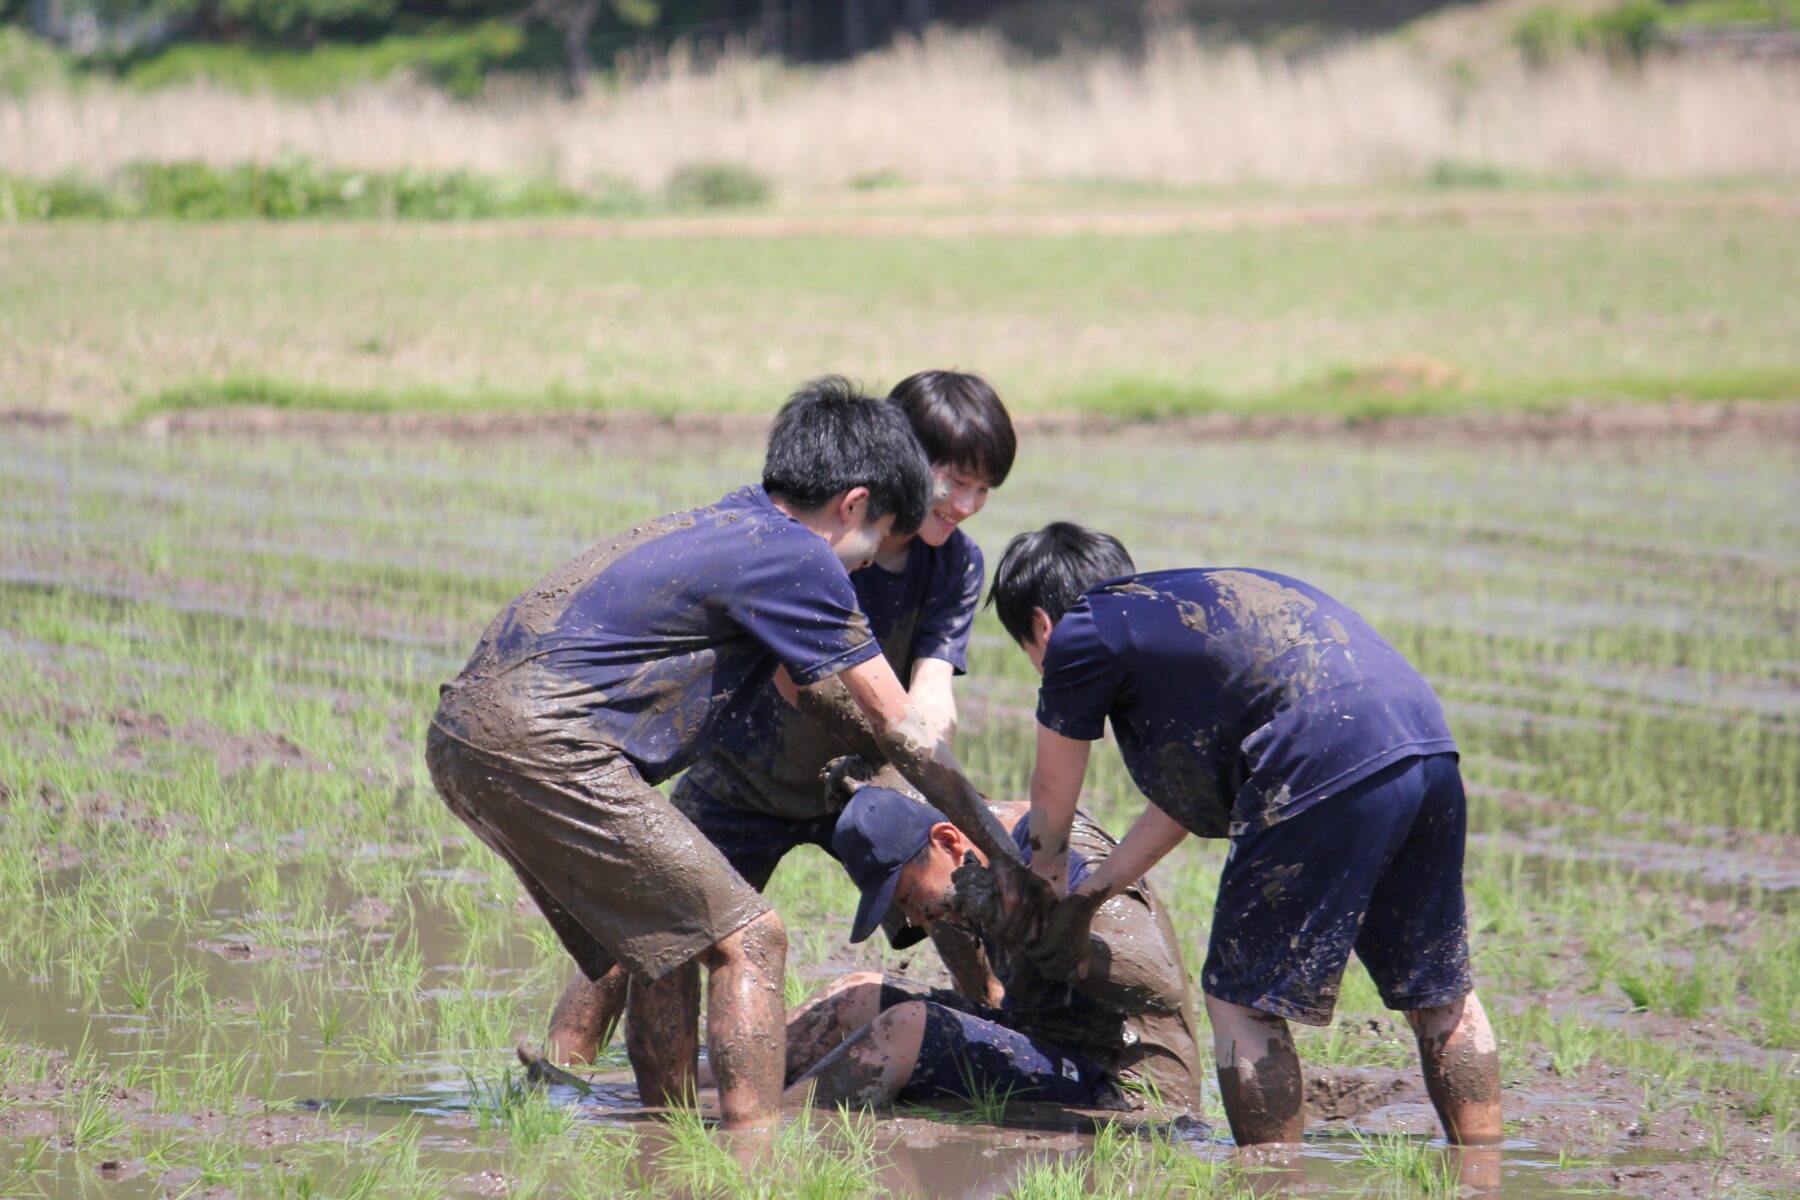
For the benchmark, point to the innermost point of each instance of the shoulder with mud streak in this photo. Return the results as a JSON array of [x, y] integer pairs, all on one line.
[[1280, 611], [1192, 615], [539, 609]]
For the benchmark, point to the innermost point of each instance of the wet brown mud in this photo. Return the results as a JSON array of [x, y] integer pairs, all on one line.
[[1579, 421], [1589, 1129]]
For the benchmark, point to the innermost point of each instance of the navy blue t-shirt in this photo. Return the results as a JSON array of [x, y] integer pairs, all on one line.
[[1238, 697], [765, 757], [639, 643]]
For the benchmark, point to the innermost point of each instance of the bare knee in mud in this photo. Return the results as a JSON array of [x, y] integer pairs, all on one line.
[[762, 944], [821, 1025], [872, 1066]]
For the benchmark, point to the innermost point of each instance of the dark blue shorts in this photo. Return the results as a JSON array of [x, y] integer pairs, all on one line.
[[1376, 869], [753, 843], [968, 1048]]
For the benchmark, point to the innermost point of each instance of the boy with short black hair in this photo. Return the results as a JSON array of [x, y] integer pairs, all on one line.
[[1253, 706], [606, 678], [754, 790]]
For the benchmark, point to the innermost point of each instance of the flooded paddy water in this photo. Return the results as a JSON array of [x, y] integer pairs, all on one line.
[[246, 952]]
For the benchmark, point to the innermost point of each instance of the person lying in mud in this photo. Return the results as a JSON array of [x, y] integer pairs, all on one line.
[[1112, 1035], [606, 678], [1253, 706], [754, 790]]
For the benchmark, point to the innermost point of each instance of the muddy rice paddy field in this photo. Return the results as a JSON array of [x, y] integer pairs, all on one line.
[[246, 952]]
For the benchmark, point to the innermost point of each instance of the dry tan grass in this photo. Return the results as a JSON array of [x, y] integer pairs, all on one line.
[[957, 109]]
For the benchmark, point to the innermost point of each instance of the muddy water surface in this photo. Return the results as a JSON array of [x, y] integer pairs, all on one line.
[[247, 952]]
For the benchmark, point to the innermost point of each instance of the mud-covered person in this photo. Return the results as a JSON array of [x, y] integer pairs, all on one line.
[[1253, 706], [1114, 1034], [606, 678], [754, 791]]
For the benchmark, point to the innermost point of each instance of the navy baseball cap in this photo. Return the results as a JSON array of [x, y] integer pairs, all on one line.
[[879, 832]]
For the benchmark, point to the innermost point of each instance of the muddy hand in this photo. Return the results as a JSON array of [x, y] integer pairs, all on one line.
[[1061, 952], [1006, 901], [842, 777], [976, 897]]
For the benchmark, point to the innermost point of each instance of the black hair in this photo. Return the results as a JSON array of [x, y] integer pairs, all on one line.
[[1049, 569], [960, 421], [830, 437]]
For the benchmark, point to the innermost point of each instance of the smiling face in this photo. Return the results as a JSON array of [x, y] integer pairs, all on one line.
[[958, 493]]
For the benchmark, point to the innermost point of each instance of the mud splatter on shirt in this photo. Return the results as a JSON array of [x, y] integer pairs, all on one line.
[[1239, 697], [637, 645]]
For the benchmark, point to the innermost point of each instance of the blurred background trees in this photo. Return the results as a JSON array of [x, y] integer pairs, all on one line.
[[459, 42]]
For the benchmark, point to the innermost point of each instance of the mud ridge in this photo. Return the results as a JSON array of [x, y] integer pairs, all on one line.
[[1580, 421]]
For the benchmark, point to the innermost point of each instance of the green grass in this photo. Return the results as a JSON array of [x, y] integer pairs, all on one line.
[[296, 190], [458, 60], [1613, 627], [1381, 319]]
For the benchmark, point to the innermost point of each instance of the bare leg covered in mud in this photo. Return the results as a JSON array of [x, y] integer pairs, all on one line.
[[872, 1066], [1461, 1063], [745, 1043], [745, 1039], [585, 1017], [1259, 1074], [662, 1037], [827, 1021]]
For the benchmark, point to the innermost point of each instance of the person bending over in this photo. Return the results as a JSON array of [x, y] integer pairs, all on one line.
[[1119, 1029], [754, 790], [605, 679], [1252, 706]]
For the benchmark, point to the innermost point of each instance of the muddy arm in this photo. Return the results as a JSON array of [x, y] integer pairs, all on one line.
[[880, 723], [828, 703], [967, 963], [906, 738], [1062, 950], [1130, 964]]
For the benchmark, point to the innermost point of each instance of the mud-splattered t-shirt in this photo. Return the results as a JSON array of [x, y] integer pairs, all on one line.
[[1133, 1014], [638, 644], [1239, 697], [765, 757]]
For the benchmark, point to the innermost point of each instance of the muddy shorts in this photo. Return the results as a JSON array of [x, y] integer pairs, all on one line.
[[621, 876], [754, 843], [968, 1048], [1376, 869]]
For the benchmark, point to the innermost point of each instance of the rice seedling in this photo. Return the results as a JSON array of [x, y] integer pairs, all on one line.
[[1054, 1181], [691, 1156], [1630, 622], [506, 1101], [1409, 1162], [986, 1101], [92, 1119], [137, 984], [331, 1017]]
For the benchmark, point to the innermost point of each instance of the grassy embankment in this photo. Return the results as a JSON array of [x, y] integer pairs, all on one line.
[[226, 884], [1484, 307], [1457, 99]]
